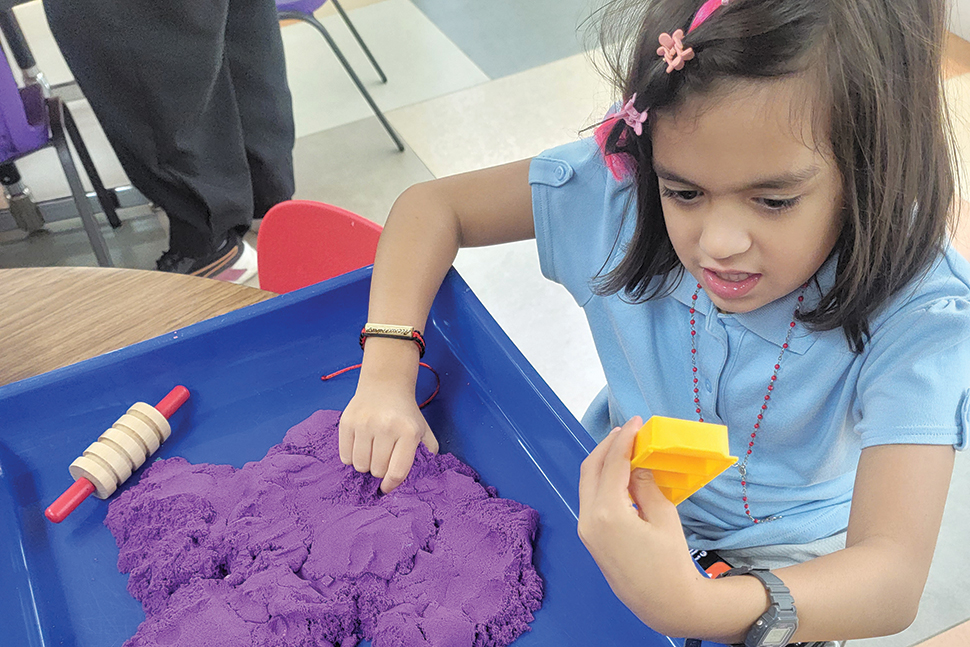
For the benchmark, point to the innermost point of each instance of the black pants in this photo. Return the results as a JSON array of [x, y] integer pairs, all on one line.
[[192, 95]]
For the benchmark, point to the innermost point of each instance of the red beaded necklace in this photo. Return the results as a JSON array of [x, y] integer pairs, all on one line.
[[742, 464]]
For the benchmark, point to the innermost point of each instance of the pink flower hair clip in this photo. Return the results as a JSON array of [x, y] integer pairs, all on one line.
[[672, 47], [672, 50], [634, 118]]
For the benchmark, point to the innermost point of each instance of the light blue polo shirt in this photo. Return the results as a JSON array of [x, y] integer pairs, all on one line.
[[910, 385]]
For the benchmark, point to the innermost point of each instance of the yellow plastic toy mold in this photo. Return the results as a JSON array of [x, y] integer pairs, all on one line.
[[684, 456]]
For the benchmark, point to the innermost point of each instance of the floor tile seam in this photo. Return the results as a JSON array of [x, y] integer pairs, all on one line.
[[480, 84], [477, 86], [326, 9], [389, 115], [433, 24], [948, 636], [394, 116], [471, 62], [487, 80], [391, 118], [438, 97], [449, 39], [407, 146]]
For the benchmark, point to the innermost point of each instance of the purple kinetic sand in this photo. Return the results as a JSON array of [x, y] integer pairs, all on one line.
[[299, 549]]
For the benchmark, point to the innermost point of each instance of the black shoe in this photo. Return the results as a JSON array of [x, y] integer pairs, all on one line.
[[235, 261]]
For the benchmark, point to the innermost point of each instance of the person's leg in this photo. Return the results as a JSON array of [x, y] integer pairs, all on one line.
[[254, 49], [157, 77]]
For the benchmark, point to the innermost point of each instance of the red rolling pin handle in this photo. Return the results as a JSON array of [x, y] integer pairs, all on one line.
[[72, 497], [83, 488], [171, 402]]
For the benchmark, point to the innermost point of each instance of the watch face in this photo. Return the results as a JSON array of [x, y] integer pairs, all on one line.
[[778, 635]]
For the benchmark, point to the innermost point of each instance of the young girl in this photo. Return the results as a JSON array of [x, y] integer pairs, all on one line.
[[758, 238]]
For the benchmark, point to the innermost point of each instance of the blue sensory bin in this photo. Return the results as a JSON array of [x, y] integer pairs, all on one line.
[[253, 374]]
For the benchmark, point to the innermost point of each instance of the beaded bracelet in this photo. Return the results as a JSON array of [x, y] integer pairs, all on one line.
[[391, 331]]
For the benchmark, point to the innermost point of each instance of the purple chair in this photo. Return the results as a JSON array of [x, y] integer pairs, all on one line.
[[303, 10], [30, 122]]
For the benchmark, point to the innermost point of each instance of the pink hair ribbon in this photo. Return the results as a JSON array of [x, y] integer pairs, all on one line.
[[705, 12], [620, 164]]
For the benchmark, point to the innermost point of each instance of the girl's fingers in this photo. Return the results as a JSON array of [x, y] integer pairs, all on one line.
[[430, 441], [362, 452], [590, 470], [345, 444], [400, 464], [615, 475], [380, 457], [649, 499]]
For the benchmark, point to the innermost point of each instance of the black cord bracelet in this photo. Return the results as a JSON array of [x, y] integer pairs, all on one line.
[[392, 332]]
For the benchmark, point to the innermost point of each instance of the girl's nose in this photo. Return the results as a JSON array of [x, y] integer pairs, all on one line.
[[721, 238]]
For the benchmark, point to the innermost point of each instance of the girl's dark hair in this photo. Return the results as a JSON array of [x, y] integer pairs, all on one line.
[[879, 67]]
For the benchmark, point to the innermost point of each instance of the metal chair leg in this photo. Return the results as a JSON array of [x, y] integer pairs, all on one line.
[[26, 214], [55, 108], [105, 198], [296, 15], [360, 41]]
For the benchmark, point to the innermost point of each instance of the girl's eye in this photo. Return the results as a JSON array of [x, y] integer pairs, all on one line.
[[681, 196], [778, 204]]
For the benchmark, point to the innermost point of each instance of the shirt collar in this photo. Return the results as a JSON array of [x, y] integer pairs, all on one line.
[[771, 321]]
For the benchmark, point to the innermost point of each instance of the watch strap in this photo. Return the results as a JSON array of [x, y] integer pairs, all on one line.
[[781, 612], [778, 593]]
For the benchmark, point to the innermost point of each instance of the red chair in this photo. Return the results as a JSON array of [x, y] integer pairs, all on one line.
[[301, 242]]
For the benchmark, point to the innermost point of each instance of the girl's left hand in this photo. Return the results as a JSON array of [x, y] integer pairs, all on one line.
[[641, 550]]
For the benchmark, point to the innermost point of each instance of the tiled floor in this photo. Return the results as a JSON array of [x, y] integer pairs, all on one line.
[[471, 84]]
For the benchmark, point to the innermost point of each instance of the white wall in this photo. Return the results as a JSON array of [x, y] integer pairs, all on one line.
[[960, 18]]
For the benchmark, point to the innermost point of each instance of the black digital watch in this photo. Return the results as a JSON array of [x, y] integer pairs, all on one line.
[[777, 625]]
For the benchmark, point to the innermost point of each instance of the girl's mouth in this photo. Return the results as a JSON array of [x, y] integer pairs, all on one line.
[[729, 285]]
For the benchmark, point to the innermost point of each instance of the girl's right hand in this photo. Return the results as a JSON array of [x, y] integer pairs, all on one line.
[[380, 431], [381, 428]]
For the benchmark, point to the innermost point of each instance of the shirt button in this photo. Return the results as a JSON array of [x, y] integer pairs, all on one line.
[[707, 385], [560, 172]]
